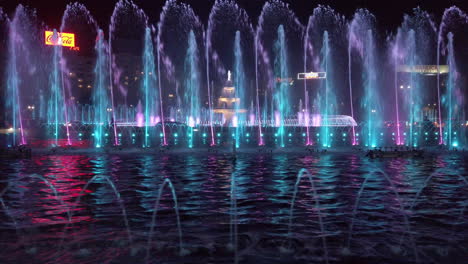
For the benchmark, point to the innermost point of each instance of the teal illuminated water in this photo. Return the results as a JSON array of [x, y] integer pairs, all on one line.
[[350, 210]]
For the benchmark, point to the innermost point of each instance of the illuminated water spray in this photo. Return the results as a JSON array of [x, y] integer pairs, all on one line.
[[56, 100], [361, 39], [398, 140], [452, 101], [148, 88], [257, 96], [306, 93], [449, 101], [413, 100], [371, 100], [326, 97], [280, 95], [192, 87], [13, 97], [208, 80], [239, 84], [159, 58], [100, 94]]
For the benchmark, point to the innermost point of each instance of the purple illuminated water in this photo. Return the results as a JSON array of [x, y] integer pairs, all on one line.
[[405, 207], [54, 98]]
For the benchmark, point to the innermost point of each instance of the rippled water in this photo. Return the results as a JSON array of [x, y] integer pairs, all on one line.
[[389, 225]]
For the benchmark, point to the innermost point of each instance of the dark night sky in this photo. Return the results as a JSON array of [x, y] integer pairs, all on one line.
[[388, 12]]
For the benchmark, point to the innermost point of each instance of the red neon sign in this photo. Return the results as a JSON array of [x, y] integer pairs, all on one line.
[[59, 39]]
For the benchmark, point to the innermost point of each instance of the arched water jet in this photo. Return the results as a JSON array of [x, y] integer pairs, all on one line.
[[361, 189], [327, 34], [412, 48], [49, 185], [424, 185], [77, 19], [278, 34], [117, 194], [153, 219], [178, 24], [125, 13], [445, 32], [228, 47], [7, 212], [301, 173]]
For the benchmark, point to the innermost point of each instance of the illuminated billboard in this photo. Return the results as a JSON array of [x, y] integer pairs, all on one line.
[[424, 69], [60, 39], [311, 75]]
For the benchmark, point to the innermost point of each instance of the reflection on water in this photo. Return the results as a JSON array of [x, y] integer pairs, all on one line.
[[417, 214]]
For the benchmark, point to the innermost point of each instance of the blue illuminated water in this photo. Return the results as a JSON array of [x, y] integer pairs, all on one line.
[[349, 210]]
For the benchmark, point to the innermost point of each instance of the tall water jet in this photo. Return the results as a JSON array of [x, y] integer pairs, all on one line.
[[257, 93], [160, 57], [371, 100], [100, 92], [326, 96], [25, 71], [192, 86], [452, 100], [239, 119], [451, 17], [413, 100], [55, 89], [13, 103], [413, 48], [361, 38], [280, 95], [306, 93], [208, 36], [148, 88], [395, 52]]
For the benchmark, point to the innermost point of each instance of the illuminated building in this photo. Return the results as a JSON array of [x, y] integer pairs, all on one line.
[[311, 75], [424, 69], [228, 101]]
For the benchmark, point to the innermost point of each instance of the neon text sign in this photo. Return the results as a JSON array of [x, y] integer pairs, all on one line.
[[59, 39]]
